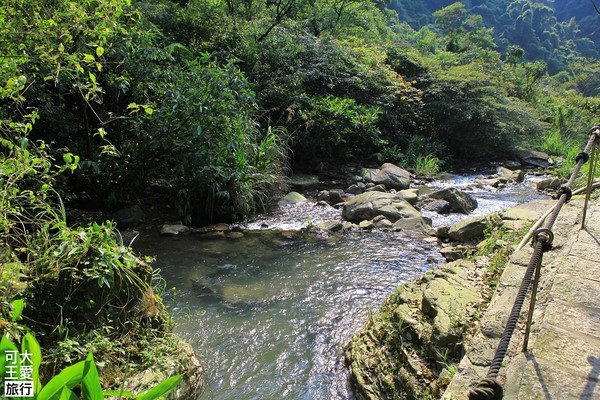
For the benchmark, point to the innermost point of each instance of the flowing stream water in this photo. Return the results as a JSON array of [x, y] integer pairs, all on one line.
[[270, 312]]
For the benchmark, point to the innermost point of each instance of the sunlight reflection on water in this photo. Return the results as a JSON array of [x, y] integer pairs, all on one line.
[[269, 313]]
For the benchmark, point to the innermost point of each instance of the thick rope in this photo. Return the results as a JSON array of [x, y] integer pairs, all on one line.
[[526, 239], [489, 388]]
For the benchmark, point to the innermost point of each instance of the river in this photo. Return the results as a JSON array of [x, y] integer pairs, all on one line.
[[270, 312]]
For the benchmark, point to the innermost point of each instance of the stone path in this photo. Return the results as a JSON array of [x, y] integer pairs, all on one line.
[[563, 357]]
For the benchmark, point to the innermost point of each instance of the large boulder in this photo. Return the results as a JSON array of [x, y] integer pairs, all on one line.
[[448, 294], [533, 158], [368, 205], [459, 201], [303, 182], [389, 175]]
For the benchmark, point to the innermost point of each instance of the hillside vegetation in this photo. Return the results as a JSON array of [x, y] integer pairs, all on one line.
[[215, 100]]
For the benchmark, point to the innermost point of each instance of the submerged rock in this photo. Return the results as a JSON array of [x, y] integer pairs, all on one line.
[[304, 182]]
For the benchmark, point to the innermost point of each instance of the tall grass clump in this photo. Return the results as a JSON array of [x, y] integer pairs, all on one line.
[[427, 165]]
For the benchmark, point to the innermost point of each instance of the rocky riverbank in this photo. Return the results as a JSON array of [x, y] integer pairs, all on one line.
[[411, 347]]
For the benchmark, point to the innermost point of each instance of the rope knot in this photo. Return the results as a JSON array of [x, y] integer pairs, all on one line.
[[546, 236], [486, 389], [564, 190], [582, 156]]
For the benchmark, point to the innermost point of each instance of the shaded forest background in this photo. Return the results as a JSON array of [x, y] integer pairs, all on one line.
[[216, 101]]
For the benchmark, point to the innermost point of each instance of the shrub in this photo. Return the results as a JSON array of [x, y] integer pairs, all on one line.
[[204, 141]]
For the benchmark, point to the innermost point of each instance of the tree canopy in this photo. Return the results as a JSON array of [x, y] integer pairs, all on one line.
[[216, 100]]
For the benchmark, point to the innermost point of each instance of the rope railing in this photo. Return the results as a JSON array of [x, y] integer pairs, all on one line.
[[489, 388]]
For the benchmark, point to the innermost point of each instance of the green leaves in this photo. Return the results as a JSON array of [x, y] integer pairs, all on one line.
[[83, 374], [161, 389], [17, 309], [339, 127]]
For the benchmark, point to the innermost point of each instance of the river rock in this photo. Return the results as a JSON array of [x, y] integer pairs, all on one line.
[[384, 224], [219, 227], [390, 358], [368, 205], [354, 189], [446, 299], [331, 197], [366, 225], [330, 226], [459, 201], [533, 158], [129, 217], [410, 195], [335, 196], [437, 205], [292, 198], [512, 175], [548, 183], [234, 235], [174, 229], [453, 253], [468, 230], [412, 224], [376, 188], [511, 164], [389, 175], [493, 182]]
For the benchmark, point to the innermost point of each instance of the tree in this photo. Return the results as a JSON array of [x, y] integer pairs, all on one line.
[[467, 112], [450, 18]]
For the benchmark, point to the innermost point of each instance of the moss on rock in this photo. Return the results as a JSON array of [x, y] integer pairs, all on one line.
[[403, 350]]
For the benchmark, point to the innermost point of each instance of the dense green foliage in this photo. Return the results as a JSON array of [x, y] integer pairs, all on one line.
[[554, 31], [211, 102], [84, 289], [208, 98]]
